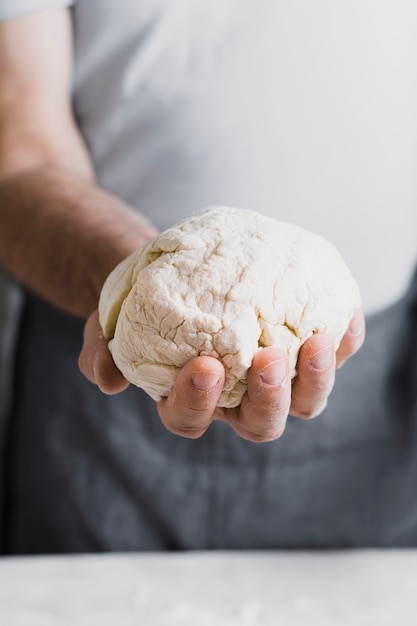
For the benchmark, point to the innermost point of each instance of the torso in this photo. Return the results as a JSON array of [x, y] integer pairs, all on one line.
[[307, 116]]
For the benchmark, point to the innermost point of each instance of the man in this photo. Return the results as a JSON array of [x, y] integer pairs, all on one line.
[[87, 471]]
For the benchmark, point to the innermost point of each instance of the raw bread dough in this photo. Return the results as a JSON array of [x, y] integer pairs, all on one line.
[[225, 282]]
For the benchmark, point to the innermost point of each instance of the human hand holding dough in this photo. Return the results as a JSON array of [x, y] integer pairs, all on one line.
[[225, 283]]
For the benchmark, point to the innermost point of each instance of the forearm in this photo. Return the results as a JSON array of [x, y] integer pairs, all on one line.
[[60, 235]]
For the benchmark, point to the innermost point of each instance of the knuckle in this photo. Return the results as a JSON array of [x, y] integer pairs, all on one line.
[[264, 436], [348, 350], [309, 412], [269, 429], [187, 431], [321, 385], [189, 423], [319, 388], [357, 344], [351, 343], [270, 400], [306, 414], [192, 415]]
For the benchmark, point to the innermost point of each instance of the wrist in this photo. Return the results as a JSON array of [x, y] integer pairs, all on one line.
[[61, 235]]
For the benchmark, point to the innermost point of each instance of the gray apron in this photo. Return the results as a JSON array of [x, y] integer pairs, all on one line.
[[89, 472]]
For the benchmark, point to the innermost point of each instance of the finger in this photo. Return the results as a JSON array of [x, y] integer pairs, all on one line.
[[95, 360], [315, 377], [188, 410], [352, 339], [264, 409]]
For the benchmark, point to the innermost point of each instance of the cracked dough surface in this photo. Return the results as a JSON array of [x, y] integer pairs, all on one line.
[[225, 282]]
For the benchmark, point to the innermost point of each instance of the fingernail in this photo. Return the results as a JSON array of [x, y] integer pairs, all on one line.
[[205, 381], [323, 358], [274, 373]]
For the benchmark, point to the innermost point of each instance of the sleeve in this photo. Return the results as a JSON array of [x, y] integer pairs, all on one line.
[[16, 8]]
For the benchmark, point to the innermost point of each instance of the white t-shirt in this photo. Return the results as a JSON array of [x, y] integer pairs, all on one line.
[[305, 111]]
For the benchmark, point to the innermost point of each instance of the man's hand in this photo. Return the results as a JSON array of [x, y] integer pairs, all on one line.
[[60, 235], [271, 396]]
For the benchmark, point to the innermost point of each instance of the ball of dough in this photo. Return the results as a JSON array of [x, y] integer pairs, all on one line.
[[225, 282]]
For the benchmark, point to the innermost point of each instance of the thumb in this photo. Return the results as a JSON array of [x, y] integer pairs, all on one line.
[[95, 360]]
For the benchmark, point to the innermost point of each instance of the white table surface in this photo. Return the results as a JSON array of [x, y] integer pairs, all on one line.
[[355, 588]]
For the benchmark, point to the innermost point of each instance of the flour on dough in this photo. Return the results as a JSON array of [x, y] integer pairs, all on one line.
[[225, 282]]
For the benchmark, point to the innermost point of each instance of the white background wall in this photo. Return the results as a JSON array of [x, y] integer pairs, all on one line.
[[351, 135]]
